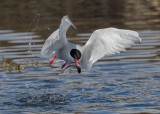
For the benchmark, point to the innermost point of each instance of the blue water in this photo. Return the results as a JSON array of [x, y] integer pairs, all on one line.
[[123, 83]]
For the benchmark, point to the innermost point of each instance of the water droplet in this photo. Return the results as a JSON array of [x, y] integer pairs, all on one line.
[[27, 86]]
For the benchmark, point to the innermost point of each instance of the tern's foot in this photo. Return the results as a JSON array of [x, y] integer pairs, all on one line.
[[63, 65], [50, 62]]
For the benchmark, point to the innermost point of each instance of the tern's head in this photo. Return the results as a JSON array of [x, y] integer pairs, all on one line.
[[66, 20], [76, 54]]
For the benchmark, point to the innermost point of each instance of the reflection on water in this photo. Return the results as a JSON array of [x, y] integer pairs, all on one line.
[[143, 14], [122, 83]]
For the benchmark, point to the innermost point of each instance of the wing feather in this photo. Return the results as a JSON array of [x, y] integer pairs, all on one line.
[[107, 42], [53, 44], [57, 40]]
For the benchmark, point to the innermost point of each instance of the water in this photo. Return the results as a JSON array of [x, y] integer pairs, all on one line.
[[122, 83]]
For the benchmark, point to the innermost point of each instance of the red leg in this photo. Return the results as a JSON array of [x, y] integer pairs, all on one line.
[[64, 65], [52, 60]]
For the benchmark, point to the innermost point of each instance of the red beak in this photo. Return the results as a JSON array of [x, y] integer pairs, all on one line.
[[76, 61]]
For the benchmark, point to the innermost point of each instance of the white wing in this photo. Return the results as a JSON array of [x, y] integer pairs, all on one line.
[[53, 43], [106, 42], [57, 40]]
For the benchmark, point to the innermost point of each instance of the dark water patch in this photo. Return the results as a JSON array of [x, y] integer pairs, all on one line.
[[141, 105], [50, 81], [123, 93], [120, 73], [156, 77], [43, 100], [47, 86], [100, 100], [112, 85], [46, 101], [104, 89], [140, 78]]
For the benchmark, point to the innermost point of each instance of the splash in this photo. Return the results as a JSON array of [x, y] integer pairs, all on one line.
[[33, 27]]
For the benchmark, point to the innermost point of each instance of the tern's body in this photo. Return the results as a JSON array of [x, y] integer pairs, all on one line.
[[64, 53], [102, 42]]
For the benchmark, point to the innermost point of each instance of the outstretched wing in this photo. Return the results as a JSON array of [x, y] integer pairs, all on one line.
[[57, 39], [53, 44], [106, 42]]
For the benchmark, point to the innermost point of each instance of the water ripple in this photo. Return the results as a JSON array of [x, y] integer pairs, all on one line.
[[126, 82]]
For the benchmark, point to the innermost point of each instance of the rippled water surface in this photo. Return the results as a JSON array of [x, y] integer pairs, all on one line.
[[123, 83]]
